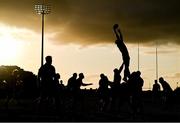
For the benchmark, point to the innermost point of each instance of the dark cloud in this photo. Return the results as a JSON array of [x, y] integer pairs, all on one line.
[[90, 21]]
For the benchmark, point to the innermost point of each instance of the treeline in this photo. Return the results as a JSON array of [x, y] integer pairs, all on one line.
[[25, 86]]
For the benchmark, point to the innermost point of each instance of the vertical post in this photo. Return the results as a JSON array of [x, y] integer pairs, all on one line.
[[156, 60], [42, 50], [138, 55]]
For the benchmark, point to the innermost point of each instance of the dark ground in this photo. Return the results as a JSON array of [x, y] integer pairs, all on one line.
[[27, 110]]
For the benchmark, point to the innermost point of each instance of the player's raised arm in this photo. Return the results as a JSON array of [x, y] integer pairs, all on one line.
[[115, 31], [120, 34]]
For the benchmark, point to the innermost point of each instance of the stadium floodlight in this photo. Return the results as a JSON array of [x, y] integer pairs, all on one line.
[[42, 9]]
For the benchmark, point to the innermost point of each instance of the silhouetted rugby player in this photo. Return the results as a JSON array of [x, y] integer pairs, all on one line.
[[116, 90], [103, 92], [167, 91], [47, 76], [156, 91], [135, 84], [76, 90], [71, 82], [123, 49]]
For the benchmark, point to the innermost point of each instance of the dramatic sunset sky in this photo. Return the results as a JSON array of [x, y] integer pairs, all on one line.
[[79, 37]]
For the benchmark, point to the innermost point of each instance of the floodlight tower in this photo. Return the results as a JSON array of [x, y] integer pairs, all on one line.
[[157, 60], [42, 9]]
